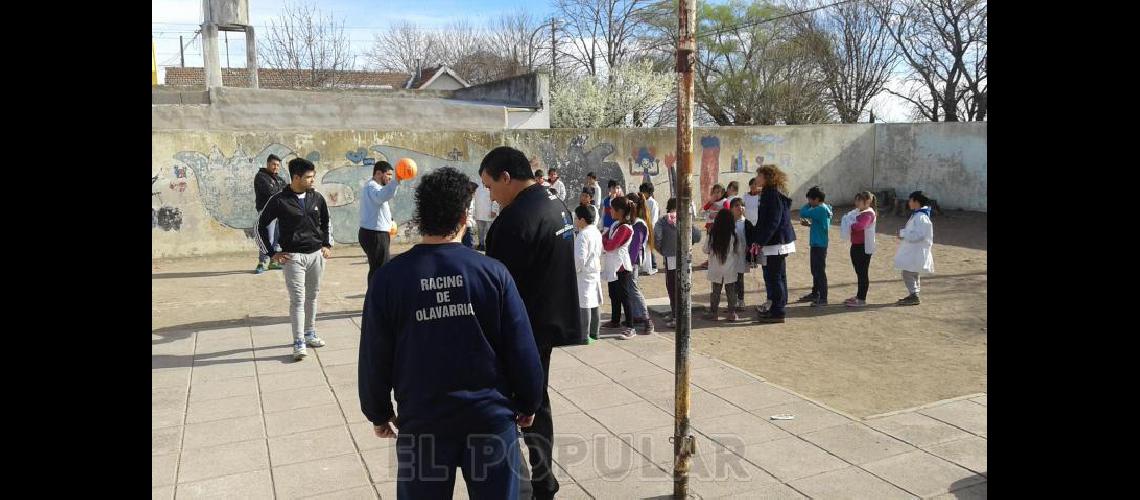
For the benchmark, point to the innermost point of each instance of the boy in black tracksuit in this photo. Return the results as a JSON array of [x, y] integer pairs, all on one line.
[[444, 327], [266, 183]]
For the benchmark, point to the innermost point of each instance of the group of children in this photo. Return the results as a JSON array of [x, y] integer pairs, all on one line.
[[743, 232]]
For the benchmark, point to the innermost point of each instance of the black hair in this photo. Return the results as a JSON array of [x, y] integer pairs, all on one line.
[[734, 186], [381, 166], [442, 198], [506, 159], [588, 192], [611, 184], [671, 205], [538, 173], [585, 213], [591, 175], [552, 171], [271, 158], [622, 204], [646, 187], [299, 166], [736, 200], [921, 198], [751, 181], [815, 193], [721, 233]]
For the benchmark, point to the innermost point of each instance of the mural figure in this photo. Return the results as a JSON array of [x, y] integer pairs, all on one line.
[[225, 185], [577, 162], [710, 165]]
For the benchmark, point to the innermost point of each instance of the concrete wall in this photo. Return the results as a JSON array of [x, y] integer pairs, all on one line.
[[445, 82], [232, 108], [945, 160], [521, 91], [202, 181]]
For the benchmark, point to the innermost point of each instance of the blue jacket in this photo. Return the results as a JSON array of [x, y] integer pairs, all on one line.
[[445, 327], [773, 219], [820, 217]]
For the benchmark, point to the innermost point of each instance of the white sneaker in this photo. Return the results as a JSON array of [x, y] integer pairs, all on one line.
[[312, 340], [299, 351]]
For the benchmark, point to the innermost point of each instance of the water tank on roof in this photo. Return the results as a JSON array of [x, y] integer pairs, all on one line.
[[229, 12]]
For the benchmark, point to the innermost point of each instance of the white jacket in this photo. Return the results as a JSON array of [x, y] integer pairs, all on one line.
[[868, 233], [617, 259], [914, 253], [725, 272], [588, 266], [483, 204]]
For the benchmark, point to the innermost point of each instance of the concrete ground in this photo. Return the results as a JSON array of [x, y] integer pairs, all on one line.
[[234, 416], [887, 402]]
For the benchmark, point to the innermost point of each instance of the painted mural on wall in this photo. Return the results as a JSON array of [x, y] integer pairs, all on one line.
[[342, 187], [166, 217], [225, 185], [578, 161]]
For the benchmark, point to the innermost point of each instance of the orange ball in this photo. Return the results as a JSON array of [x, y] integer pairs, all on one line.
[[405, 168]]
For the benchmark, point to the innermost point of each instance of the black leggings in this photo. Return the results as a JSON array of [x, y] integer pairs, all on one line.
[[862, 262], [618, 297]]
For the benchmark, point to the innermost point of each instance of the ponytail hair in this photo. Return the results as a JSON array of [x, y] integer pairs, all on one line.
[[869, 197]]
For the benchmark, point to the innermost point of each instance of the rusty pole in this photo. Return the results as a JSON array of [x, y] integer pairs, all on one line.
[[683, 444]]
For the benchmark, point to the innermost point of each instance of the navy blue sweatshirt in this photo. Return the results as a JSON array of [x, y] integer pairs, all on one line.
[[445, 327], [774, 219]]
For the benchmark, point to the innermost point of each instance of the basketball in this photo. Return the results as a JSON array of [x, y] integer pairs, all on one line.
[[405, 168]]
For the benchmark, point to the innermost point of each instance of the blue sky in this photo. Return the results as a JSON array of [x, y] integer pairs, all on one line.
[[362, 20]]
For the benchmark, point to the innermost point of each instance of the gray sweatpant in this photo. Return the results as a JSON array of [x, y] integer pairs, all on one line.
[[912, 282], [591, 321], [303, 281]]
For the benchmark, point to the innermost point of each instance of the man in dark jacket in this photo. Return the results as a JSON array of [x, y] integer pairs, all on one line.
[[775, 238], [445, 327], [303, 218], [266, 183], [534, 237]]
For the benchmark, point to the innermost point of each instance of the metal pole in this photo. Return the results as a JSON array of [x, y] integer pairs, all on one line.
[[683, 444], [227, 35], [181, 51]]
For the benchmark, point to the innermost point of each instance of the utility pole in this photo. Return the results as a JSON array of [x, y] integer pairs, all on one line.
[[683, 445], [181, 51], [227, 35]]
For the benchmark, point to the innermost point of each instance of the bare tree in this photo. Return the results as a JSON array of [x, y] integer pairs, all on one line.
[[855, 52], [521, 38], [312, 44], [944, 43], [606, 29], [404, 47]]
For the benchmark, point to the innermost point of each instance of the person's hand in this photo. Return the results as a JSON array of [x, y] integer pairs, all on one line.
[[387, 430], [805, 222], [754, 249], [525, 420], [280, 257], [326, 252]]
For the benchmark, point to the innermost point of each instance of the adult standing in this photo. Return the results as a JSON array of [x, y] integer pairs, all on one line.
[[376, 216], [534, 237], [485, 211], [775, 237]]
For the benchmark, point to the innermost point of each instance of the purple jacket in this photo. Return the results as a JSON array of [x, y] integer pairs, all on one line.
[[640, 234]]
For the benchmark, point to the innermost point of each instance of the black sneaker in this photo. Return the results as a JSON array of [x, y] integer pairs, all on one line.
[[770, 319], [909, 300], [811, 297], [819, 303]]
